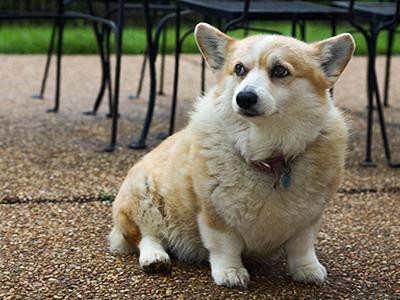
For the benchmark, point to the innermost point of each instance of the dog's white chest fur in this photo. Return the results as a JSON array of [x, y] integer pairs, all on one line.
[[264, 216]]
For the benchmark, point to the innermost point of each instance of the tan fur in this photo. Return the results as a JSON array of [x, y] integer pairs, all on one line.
[[201, 170], [129, 229], [290, 53]]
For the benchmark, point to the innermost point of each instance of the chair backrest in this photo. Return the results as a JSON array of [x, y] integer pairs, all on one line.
[[246, 7], [243, 16], [246, 3], [352, 3]]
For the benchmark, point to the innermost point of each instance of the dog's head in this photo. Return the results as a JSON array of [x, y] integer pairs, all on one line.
[[272, 90], [269, 75]]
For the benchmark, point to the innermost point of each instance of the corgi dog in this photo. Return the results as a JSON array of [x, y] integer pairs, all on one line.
[[263, 153]]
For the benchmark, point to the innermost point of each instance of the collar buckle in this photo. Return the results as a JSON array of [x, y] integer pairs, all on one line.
[[278, 166]]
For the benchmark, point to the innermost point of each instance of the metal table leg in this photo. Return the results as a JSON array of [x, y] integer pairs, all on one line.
[[100, 45], [162, 66], [118, 53], [61, 23], [178, 45], [152, 52], [48, 61], [381, 117], [373, 90], [142, 73], [370, 94], [108, 74], [389, 50]]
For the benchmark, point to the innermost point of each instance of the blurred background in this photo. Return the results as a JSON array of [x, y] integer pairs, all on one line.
[[32, 37]]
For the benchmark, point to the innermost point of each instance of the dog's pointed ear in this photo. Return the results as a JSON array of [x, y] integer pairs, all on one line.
[[334, 55], [213, 45]]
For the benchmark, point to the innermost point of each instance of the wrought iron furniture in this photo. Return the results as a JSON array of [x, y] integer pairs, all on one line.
[[386, 17], [61, 16], [239, 12]]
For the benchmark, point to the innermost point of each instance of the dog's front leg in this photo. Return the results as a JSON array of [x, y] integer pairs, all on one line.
[[225, 247], [302, 260]]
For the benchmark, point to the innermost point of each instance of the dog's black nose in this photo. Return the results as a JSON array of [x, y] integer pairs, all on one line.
[[246, 99]]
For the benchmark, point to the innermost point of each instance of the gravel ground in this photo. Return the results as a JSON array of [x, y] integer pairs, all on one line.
[[56, 187]]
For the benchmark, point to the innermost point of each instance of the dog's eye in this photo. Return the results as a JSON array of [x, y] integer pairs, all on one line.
[[279, 71], [240, 70]]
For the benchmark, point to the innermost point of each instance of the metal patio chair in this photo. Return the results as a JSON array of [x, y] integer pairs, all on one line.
[[100, 35], [61, 16], [381, 17], [239, 12], [236, 13], [103, 41], [371, 11]]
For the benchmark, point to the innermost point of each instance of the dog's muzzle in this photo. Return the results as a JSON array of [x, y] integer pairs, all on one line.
[[246, 100]]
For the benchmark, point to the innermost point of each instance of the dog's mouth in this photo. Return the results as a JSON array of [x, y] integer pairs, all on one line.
[[249, 113]]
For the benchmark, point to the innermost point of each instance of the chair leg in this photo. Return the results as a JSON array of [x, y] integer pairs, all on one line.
[[370, 89], [48, 61], [142, 73], [303, 30], [108, 75], [118, 54], [152, 52], [162, 67], [294, 25], [100, 46], [246, 30], [176, 73], [219, 23], [382, 123], [334, 27], [178, 45], [61, 24], [108, 65], [389, 50]]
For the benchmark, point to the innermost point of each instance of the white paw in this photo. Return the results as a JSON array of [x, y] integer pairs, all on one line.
[[118, 244], [154, 261], [314, 273], [231, 277]]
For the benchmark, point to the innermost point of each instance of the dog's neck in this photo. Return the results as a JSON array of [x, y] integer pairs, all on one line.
[[287, 138], [252, 143], [279, 135]]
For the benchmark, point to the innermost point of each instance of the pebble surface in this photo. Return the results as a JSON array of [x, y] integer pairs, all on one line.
[[56, 189]]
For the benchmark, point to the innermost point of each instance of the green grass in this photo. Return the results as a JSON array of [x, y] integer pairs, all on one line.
[[24, 39], [106, 197]]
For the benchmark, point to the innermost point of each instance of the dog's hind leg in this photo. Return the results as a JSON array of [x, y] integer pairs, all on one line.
[[125, 235], [139, 225], [153, 257]]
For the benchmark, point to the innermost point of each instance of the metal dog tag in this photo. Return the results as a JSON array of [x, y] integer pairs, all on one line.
[[284, 181]]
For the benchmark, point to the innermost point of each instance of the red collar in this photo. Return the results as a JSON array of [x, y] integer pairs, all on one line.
[[278, 167], [268, 165]]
